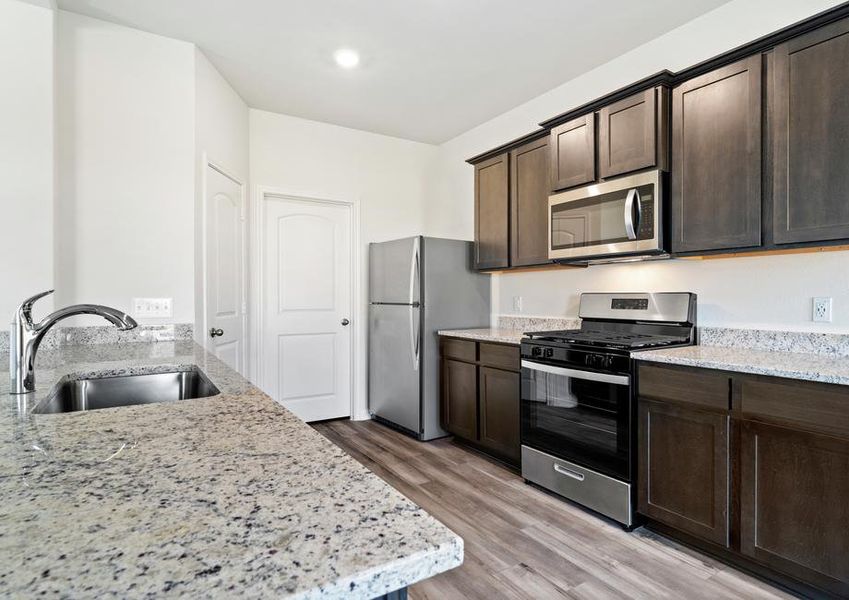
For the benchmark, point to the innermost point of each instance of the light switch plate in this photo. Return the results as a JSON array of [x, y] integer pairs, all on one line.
[[146, 308]]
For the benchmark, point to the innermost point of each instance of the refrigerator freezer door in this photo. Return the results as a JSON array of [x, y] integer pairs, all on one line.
[[394, 364], [394, 272]]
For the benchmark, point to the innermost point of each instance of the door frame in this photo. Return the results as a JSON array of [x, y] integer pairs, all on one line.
[[262, 195], [208, 163]]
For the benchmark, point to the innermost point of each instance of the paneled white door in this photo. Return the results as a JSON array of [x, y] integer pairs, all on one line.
[[306, 332], [224, 289]]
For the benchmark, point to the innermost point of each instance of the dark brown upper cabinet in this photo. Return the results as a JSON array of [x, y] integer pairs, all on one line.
[[529, 189], [492, 210], [573, 153], [811, 137], [633, 133], [716, 159]]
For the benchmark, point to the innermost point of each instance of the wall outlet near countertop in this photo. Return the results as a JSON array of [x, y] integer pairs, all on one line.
[[145, 308], [821, 309], [517, 304]]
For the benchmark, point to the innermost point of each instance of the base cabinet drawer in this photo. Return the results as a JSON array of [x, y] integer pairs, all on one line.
[[794, 503], [684, 469]]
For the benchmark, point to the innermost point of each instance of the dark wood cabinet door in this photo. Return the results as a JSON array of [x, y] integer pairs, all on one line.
[[573, 153], [716, 159], [684, 469], [529, 189], [499, 412], [627, 134], [460, 398], [811, 137], [492, 213], [794, 503]]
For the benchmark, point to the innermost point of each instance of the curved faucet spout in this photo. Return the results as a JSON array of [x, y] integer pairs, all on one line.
[[25, 336], [118, 318]]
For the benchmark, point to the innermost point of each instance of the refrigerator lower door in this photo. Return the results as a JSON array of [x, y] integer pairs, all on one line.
[[395, 364]]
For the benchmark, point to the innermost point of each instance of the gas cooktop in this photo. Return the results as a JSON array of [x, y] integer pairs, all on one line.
[[609, 339]]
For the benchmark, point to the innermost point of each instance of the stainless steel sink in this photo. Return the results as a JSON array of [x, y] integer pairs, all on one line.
[[126, 390]]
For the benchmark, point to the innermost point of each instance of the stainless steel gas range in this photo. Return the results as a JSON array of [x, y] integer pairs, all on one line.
[[578, 409]]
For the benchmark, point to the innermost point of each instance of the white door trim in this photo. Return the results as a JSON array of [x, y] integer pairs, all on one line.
[[208, 163], [261, 195]]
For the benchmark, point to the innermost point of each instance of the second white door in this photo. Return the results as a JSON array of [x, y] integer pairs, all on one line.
[[306, 329]]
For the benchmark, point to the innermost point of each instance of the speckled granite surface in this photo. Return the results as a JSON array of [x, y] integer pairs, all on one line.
[[492, 334], [794, 365], [225, 496], [108, 334], [808, 342], [512, 329]]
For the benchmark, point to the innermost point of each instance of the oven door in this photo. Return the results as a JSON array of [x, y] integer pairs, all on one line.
[[577, 415], [617, 217]]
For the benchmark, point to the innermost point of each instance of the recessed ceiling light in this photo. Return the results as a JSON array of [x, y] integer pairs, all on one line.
[[346, 58]]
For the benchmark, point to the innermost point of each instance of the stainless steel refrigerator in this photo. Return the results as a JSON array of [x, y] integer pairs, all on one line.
[[417, 286]]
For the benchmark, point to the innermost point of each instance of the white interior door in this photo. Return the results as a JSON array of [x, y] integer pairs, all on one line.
[[306, 335], [225, 324]]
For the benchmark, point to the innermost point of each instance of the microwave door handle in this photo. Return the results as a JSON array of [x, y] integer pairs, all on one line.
[[577, 374], [630, 224]]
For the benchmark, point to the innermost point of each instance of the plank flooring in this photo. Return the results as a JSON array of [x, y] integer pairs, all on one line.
[[521, 542]]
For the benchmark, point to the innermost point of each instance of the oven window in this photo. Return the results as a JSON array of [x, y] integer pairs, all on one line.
[[593, 221], [587, 422]]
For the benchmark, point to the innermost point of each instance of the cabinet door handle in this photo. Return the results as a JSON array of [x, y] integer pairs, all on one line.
[[569, 472]]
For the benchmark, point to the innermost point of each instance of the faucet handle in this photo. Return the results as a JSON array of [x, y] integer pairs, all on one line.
[[24, 312]]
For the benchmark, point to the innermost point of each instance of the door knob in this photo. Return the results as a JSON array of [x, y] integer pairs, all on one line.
[[345, 322], [215, 332]]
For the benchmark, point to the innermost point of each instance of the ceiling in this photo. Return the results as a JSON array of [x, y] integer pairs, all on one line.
[[429, 70]]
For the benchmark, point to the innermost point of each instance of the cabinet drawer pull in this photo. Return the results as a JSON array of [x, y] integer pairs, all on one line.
[[569, 472]]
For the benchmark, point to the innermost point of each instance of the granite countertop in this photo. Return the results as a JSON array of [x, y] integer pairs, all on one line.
[[486, 334], [794, 365], [229, 495]]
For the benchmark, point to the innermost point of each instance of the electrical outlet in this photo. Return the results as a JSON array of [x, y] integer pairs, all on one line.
[[821, 310], [147, 308], [517, 304]]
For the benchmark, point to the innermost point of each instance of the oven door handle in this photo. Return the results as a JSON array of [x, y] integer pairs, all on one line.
[[577, 374]]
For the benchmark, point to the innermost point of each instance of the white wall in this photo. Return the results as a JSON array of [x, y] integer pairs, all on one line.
[[26, 154], [771, 292], [387, 176], [125, 110], [221, 134]]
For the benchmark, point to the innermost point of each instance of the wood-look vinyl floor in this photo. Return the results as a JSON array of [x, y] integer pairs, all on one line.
[[521, 542]]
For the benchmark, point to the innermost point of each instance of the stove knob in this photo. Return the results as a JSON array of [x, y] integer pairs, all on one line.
[[549, 352], [536, 351]]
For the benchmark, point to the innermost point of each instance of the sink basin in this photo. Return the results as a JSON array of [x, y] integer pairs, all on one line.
[[126, 390]]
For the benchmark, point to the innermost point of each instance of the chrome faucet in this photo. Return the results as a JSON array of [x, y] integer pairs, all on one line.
[[25, 336]]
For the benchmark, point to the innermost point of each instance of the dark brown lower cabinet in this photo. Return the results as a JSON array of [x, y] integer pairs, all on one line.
[[480, 396], [499, 411], [684, 467], [763, 483], [794, 503], [460, 398]]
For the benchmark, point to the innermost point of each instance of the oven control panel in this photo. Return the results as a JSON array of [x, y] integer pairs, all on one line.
[[559, 355]]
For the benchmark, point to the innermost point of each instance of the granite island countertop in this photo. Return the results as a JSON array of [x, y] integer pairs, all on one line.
[[229, 495], [793, 365]]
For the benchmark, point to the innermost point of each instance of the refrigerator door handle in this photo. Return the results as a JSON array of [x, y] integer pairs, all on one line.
[[414, 273], [414, 337]]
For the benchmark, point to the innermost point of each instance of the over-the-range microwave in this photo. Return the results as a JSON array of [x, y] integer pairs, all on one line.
[[618, 219]]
